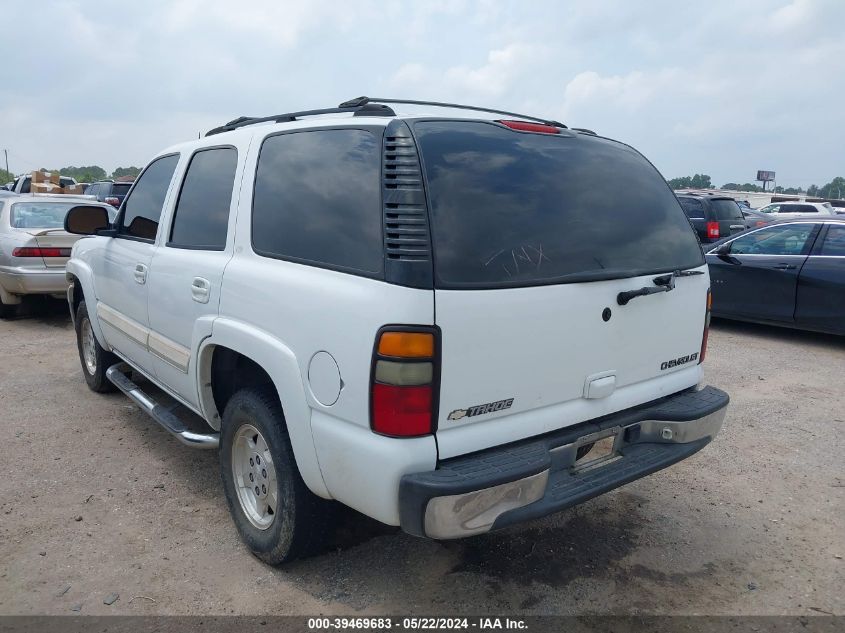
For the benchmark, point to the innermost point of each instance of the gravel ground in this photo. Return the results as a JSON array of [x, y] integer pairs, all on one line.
[[96, 500]]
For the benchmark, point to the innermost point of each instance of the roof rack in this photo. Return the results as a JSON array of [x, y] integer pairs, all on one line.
[[357, 110], [363, 101]]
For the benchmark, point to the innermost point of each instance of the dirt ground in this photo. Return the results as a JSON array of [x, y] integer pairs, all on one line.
[[96, 499]]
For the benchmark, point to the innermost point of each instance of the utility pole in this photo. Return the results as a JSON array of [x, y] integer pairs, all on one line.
[[6, 152]]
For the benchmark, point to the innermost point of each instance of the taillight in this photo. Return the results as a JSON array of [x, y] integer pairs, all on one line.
[[115, 202], [404, 378], [524, 126], [706, 327], [760, 223], [27, 251], [712, 229]]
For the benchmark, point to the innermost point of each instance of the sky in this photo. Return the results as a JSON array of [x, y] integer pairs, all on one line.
[[724, 87]]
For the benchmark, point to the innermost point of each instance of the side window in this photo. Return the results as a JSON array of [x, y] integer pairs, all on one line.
[[202, 211], [142, 209], [317, 199], [693, 208], [788, 239], [834, 242], [25, 187], [92, 190]]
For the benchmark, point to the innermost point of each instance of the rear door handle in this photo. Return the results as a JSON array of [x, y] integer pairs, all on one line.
[[140, 273], [784, 267], [200, 289]]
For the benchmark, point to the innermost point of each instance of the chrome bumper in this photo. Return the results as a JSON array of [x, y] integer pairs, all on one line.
[[640, 448]]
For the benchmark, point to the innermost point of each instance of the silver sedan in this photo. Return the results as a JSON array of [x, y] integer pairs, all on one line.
[[34, 246]]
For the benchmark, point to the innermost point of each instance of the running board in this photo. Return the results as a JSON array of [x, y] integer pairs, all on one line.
[[161, 414]]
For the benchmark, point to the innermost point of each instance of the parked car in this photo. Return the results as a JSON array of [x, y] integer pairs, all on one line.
[[797, 208], [34, 247], [791, 273], [109, 191], [754, 218], [712, 216], [280, 281], [23, 183]]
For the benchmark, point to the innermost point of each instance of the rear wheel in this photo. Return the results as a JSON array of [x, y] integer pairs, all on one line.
[[276, 514], [95, 360], [7, 311]]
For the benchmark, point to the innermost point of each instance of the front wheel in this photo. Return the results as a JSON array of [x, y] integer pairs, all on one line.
[[95, 360], [276, 514]]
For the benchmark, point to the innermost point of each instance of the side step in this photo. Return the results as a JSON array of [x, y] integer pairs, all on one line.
[[161, 414]]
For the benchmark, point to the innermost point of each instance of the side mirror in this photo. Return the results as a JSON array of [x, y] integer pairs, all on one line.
[[86, 220], [724, 249]]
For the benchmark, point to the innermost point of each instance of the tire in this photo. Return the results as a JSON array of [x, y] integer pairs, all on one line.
[[98, 359], [7, 311], [277, 528]]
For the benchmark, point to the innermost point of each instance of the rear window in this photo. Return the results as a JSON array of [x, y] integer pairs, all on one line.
[[726, 210], [120, 188], [519, 209], [693, 208], [38, 215], [798, 208]]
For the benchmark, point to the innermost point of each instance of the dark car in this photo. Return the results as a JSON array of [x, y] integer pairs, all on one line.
[[712, 216], [789, 272], [109, 191]]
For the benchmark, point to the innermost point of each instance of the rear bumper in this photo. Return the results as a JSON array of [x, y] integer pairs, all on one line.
[[499, 487], [33, 281]]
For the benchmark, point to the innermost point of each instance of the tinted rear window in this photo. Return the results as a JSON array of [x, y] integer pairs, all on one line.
[[726, 210], [798, 208], [518, 209], [120, 188], [692, 207]]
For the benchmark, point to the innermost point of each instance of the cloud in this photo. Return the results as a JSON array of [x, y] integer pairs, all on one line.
[[726, 90], [500, 71]]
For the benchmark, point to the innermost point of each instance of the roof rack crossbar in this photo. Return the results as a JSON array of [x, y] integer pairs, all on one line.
[[363, 109], [361, 101]]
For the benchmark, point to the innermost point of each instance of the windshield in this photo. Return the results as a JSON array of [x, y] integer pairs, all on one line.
[[519, 209], [42, 215]]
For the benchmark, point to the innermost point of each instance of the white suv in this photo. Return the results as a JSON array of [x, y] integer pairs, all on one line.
[[431, 318], [798, 208]]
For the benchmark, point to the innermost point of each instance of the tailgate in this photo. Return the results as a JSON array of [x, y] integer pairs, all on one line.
[[525, 361], [534, 234]]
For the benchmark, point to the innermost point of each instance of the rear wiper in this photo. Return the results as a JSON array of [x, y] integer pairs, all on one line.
[[664, 283]]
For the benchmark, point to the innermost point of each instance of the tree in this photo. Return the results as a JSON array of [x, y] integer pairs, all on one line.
[[126, 171], [813, 190], [834, 189], [91, 173], [698, 181], [6, 176]]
